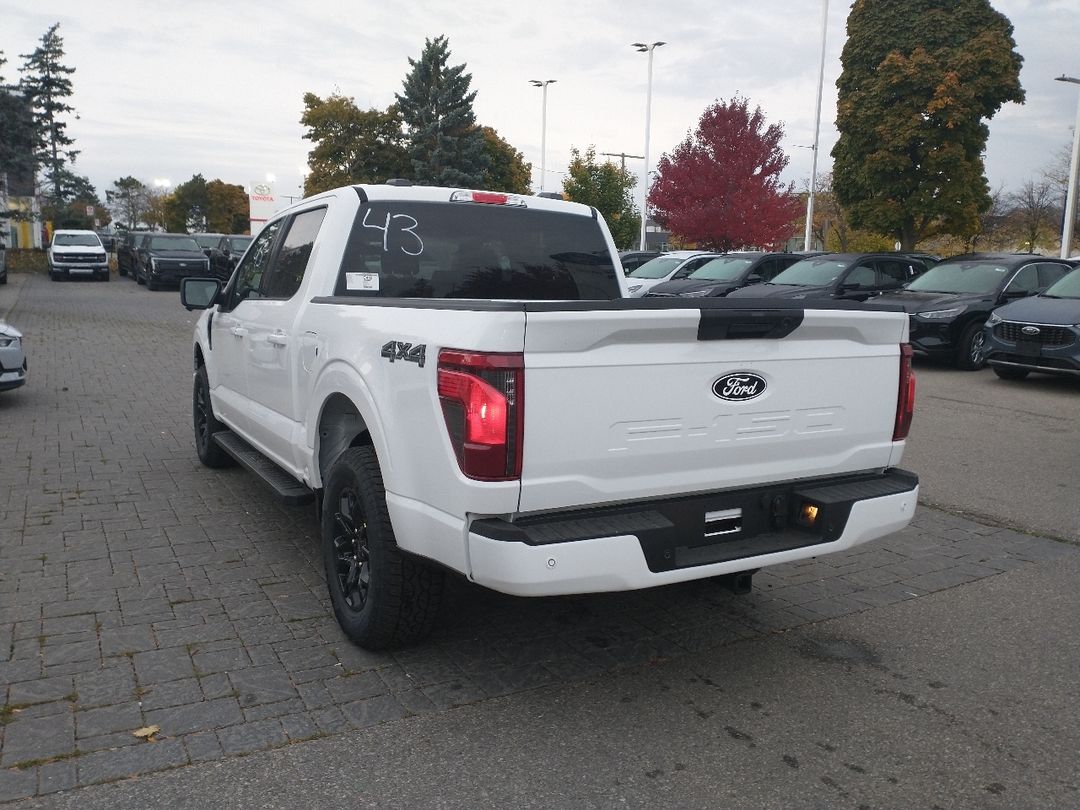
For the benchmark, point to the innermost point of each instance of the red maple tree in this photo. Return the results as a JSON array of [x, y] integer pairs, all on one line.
[[720, 188]]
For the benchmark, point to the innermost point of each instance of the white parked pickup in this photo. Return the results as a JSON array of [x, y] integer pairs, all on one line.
[[458, 381]]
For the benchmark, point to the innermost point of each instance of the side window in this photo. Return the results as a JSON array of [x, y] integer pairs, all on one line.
[[250, 272], [1026, 281], [864, 276], [691, 266], [777, 266], [893, 273], [284, 278], [765, 270], [1049, 272]]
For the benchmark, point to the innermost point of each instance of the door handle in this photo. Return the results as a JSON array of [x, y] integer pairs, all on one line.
[[239, 331], [277, 338]]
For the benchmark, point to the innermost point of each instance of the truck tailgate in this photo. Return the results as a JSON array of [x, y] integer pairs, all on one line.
[[620, 403]]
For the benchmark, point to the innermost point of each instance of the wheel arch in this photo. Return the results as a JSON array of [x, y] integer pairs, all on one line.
[[340, 426]]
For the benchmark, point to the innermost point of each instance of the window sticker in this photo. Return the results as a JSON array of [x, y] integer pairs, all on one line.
[[361, 281]]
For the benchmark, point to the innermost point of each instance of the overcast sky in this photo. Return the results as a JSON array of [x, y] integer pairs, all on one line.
[[168, 90]]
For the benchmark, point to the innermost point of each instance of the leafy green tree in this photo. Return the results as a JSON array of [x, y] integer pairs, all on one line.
[[228, 209], [444, 144], [188, 207], [157, 203], [607, 188], [351, 145], [507, 169], [47, 84], [919, 78], [128, 199]]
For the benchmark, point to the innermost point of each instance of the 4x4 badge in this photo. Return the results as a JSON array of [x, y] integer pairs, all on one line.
[[739, 386]]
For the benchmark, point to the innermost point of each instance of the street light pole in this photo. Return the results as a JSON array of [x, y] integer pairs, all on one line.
[[1074, 169], [543, 126], [817, 128], [643, 48], [623, 157]]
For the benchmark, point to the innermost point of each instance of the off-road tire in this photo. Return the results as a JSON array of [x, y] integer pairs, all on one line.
[[403, 594], [206, 424]]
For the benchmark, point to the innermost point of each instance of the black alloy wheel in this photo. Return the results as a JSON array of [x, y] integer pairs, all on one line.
[[206, 424], [382, 596], [351, 551]]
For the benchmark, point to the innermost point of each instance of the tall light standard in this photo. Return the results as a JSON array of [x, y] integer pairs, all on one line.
[[1074, 169], [543, 83], [643, 48], [817, 128]]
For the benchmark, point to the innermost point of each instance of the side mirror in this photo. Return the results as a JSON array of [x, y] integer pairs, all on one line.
[[206, 252], [199, 293], [1010, 295]]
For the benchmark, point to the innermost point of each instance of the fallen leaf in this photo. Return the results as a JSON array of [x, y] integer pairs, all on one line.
[[146, 732]]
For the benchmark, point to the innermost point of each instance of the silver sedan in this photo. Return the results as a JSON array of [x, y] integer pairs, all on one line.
[[12, 358]]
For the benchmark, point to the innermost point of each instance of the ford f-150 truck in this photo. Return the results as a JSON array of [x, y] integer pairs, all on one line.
[[457, 380]]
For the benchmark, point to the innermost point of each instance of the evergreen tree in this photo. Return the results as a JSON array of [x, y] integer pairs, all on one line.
[[919, 77], [16, 137], [445, 145], [45, 82]]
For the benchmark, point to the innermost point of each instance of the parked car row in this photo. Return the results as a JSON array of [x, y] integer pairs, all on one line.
[[965, 309], [156, 259], [855, 276]]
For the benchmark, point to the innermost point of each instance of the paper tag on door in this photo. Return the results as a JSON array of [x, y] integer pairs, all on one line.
[[361, 281]]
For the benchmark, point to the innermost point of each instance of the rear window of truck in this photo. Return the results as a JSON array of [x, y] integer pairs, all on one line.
[[470, 250]]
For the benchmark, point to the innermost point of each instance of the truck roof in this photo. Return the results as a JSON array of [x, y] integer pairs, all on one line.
[[443, 194]]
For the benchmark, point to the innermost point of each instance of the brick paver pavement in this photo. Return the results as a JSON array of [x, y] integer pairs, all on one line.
[[138, 588]]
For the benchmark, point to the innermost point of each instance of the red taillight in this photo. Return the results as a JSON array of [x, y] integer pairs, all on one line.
[[487, 198], [905, 398], [483, 403]]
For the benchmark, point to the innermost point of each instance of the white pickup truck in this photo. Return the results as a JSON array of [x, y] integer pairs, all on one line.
[[457, 380]]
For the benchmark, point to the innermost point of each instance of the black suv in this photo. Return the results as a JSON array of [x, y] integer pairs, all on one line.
[[723, 274], [950, 303], [225, 255], [165, 258], [850, 276], [127, 252]]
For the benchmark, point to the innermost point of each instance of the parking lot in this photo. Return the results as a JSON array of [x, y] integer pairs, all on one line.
[[139, 589]]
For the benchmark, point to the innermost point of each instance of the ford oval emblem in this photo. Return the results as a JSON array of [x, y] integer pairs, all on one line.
[[739, 386], [1030, 330]]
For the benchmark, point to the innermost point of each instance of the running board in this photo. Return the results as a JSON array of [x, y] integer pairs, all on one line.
[[287, 488]]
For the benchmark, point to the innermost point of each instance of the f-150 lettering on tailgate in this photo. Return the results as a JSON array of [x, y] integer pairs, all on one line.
[[752, 425]]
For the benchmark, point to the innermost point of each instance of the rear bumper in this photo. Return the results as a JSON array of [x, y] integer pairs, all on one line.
[[645, 545]]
